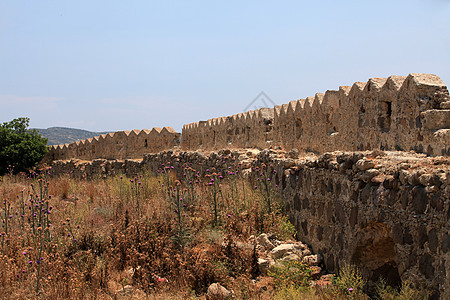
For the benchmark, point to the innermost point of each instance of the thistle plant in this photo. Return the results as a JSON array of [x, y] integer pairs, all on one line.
[[136, 186], [6, 215], [5, 220], [216, 195], [231, 173], [264, 183], [179, 206], [22, 210], [40, 222], [120, 187], [191, 179], [164, 171], [70, 232]]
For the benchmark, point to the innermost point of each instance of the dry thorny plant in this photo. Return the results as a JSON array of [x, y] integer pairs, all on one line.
[[72, 238]]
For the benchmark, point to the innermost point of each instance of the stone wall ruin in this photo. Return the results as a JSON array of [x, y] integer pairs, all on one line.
[[118, 145], [396, 113], [386, 211]]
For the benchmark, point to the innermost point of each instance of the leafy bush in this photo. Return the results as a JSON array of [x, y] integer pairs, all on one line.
[[289, 273], [294, 293], [407, 291], [285, 229], [349, 282], [20, 148]]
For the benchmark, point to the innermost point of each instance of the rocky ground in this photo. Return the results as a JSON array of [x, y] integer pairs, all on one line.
[[270, 252]]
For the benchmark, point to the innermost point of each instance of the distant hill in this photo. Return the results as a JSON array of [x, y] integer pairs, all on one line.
[[64, 135]]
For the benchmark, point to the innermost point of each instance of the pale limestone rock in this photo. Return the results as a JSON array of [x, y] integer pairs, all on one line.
[[312, 260], [218, 292], [300, 246], [246, 164], [306, 252], [264, 241], [263, 265], [252, 152], [290, 257], [252, 239], [364, 164], [403, 176], [280, 251], [369, 174]]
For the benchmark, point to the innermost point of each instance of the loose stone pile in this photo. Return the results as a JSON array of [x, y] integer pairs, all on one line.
[[272, 252]]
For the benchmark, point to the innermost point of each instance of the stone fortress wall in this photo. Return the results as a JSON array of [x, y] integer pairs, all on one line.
[[386, 211], [118, 145], [396, 113]]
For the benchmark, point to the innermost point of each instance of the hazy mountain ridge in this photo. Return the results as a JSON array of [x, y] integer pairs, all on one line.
[[65, 135]]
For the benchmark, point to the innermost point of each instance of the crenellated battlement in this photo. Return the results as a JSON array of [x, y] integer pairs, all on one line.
[[395, 113], [349, 205], [118, 145]]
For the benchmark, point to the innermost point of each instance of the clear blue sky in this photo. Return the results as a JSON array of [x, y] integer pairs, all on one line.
[[115, 65]]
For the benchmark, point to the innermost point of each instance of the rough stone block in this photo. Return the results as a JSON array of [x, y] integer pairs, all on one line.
[[436, 119]]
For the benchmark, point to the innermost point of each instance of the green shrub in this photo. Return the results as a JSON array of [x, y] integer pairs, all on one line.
[[407, 291], [285, 230], [290, 273], [349, 282], [294, 293], [21, 149]]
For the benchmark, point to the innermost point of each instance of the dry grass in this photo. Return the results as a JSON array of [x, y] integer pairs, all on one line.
[[81, 239], [107, 233]]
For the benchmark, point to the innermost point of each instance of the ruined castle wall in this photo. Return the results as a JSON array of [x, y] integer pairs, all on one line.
[[396, 113], [283, 125], [253, 129], [117, 145], [389, 214], [262, 124]]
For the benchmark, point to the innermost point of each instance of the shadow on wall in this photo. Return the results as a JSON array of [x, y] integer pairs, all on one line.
[[376, 252]]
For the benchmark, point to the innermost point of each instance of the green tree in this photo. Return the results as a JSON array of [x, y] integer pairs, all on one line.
[[20, 148]]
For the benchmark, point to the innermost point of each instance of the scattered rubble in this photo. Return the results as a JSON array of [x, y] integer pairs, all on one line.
[[269, 256]]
